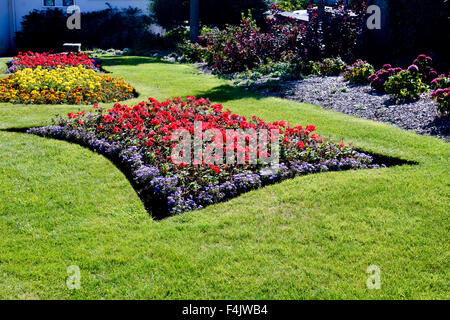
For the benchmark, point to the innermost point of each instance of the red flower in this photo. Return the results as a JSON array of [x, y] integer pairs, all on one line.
[[301, 145], [155, 122], [216, 169], [152, 124]]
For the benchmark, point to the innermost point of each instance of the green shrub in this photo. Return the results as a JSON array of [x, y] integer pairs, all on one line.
[[291, 5], [405, 85], [331, 66], [359, 72], [442, 97], [192, 52], [307, 68], [440, 82]]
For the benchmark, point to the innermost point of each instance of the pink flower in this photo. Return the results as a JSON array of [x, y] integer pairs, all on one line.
[[413, 68]]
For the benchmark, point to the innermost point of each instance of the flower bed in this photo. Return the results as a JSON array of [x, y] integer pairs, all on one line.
[[31, 60], [141, 141], [73, 85]]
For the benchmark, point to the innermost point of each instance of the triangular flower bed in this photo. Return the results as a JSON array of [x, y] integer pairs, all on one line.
[[142, 141]]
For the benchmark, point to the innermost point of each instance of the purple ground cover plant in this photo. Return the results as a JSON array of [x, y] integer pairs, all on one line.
[[137, 140]]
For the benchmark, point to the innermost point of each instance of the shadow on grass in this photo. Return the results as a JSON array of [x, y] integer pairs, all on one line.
[[16, 130], [130, 61], [227, 92], [388, 161], [161, 213], [220, 94]]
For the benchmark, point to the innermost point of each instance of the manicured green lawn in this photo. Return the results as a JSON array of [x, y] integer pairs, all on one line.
[[308, 238]]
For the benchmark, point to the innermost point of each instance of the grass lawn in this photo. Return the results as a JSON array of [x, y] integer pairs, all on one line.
[[308, 238]]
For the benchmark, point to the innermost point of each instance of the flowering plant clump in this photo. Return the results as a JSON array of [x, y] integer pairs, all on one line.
[[442, 97], [441, 82], [185, 155], [74, 85], [407, 84], [421, 67], [424, 66], [31, 60], [359, 72], [379, 78]]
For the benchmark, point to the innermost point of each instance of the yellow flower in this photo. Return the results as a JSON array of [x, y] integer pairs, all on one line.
[[82, 84]]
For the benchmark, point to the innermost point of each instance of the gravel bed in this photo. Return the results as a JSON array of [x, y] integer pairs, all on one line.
[[358, 100]]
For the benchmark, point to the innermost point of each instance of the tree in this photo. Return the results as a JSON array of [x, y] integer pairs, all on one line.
[[175, 13]]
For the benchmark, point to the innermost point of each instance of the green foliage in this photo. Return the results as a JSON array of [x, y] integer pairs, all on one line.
[[192, 52], [287, 71], [442, 97], [405, 85], [331, 66], [267, 76], [440, 82], [359, 72], [175, 37], [307, 68], [291, 5]]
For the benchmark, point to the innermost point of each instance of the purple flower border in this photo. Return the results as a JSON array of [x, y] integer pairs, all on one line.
[[163, 197]]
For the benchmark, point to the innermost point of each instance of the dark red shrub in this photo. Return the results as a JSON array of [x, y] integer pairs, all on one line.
[[237, 48], [339, 33]]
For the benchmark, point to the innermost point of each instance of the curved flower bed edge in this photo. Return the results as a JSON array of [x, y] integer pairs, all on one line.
[[163, 196], [152, 188]]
